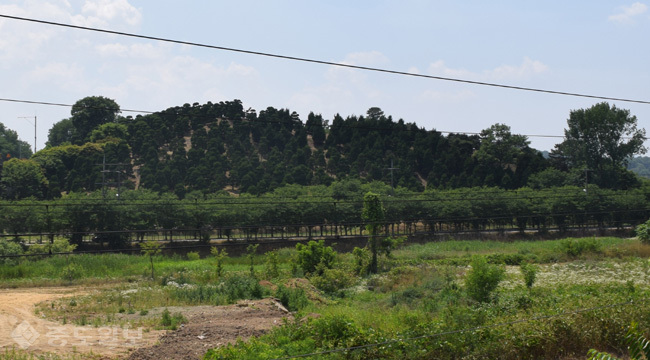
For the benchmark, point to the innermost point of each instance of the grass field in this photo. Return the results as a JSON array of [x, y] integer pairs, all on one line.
[[585, 294]]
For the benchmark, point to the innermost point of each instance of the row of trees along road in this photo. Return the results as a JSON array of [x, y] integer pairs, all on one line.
[[216, 146], [339, 205]]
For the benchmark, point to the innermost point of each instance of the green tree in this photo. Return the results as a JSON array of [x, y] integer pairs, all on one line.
[[109, 131], [373, 214], [61, 133], [89, 113], [22, 179], [11, 146], [602, 139]]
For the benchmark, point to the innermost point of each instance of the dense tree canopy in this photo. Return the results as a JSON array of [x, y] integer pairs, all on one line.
[[220, 146], [11, 146], [89, 113]]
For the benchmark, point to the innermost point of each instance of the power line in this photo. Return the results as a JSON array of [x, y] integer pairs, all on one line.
[[322, 62]]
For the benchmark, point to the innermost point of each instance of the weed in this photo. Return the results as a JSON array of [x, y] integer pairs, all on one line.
[[331, 281], [294, 299], [193, 256], [171, 322], [483, 279], [272, 270], [71, 272], [529, 271], [220, 255]]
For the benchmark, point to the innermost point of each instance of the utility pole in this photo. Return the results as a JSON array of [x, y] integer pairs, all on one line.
[[391, 168], [104, 171], [29, 117]]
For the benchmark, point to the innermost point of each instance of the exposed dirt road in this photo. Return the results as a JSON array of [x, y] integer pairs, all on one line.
[[207, 327]]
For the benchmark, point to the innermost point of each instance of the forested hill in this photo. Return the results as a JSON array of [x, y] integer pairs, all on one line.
[[220, 146]]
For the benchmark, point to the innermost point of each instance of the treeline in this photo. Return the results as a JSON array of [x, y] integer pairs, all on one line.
[[220, 146], [217, 146], [340, 204]]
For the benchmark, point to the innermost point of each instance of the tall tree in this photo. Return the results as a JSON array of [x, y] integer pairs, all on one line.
[[599, 142], [61, 133], [89, 113], [600, 136]]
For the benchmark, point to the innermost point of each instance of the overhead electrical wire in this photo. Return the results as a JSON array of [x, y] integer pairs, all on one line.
[[321, 62]]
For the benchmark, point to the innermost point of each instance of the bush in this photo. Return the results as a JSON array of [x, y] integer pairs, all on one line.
[[529, 271], [331, 281], [483, 279], [294, 299], [171, 322], [9, 248], [220, 255], [577, 247], [71, 272], [193, 255], [643, 232], [313, 254], [272, 269]]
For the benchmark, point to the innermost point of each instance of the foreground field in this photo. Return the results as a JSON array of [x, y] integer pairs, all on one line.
[[585, 293]]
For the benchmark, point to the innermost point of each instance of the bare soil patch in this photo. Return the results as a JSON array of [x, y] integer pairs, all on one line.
[[207, 327], [211, 326]]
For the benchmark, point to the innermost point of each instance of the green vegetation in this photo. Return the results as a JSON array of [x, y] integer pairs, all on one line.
[[205, 149], [420, 292]]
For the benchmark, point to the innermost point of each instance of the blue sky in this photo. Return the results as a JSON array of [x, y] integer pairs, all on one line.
[[596, 47]]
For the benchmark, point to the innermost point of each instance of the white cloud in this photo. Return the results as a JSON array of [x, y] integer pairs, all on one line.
[[439, 68], [445, 97], [101, 12], [523, 71], [369, 58], [628, 13], [68, 77], [133, 51]]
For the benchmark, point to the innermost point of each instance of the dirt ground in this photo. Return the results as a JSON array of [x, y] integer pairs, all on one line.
[[207, 327]]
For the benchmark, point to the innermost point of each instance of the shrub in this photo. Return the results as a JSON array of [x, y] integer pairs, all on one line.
[[272, 270], [71, 272], [577, 247], [170, 321], [332, 280], [294, 299], [529, 271], [193, 255], [643, 232], [220, 256], [313, 254], [60, 245], [361, 260], [243, 287], [250, 254], [9, 248], [483, 279]]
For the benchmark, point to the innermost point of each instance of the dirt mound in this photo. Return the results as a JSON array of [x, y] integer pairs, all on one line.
[[211, 326]]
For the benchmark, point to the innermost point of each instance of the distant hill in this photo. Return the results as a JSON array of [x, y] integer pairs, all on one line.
[[640, 166], [220, 146]]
